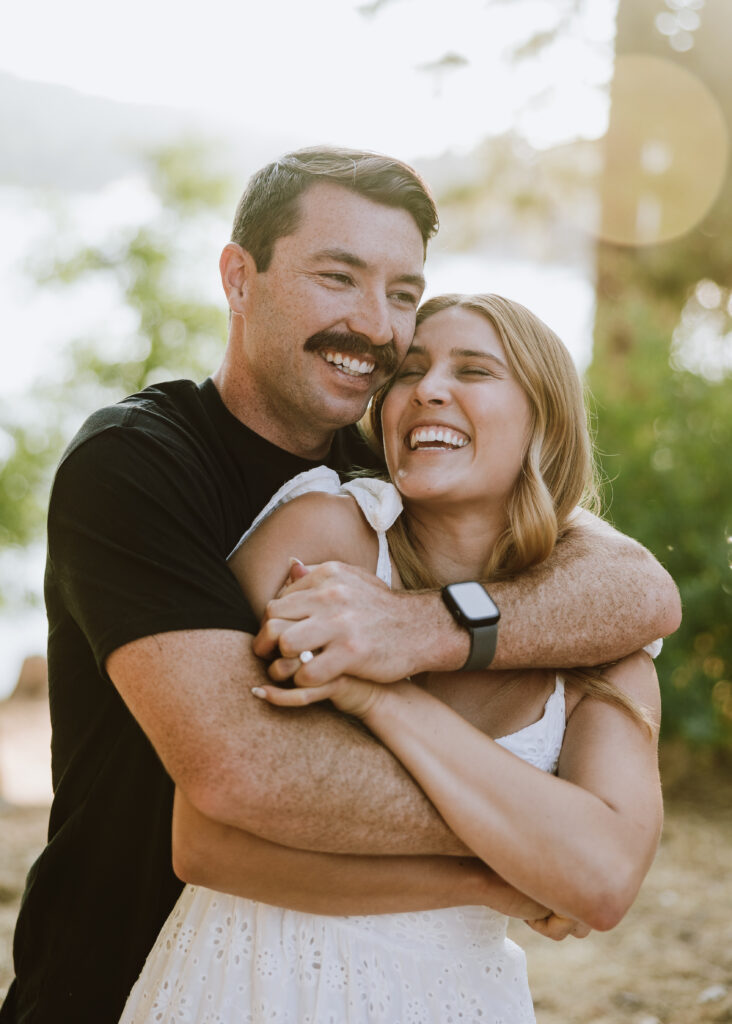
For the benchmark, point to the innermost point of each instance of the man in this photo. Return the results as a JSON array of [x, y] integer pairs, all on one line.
[[151, 659]]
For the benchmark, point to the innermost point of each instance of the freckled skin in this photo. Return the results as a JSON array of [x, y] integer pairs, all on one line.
[[269, 378]]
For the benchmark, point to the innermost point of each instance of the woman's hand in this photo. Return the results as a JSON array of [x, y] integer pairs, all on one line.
[[350, 695]]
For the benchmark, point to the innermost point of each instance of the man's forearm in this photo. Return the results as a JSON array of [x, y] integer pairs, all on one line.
[[224, 858], [599, 597], [308, 779], [313, 780]]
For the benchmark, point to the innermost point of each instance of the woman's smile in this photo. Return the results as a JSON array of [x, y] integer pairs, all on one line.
[[456, 420]]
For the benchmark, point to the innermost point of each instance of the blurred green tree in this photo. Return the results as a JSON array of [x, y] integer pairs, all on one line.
[[168, 331], [662, 365]]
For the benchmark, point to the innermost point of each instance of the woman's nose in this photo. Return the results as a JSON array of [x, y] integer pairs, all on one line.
[[432, 389]]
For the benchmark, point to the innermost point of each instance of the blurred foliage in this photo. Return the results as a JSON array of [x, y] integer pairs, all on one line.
[[662, 378], [23, 480], [664, 435], [167, 332]]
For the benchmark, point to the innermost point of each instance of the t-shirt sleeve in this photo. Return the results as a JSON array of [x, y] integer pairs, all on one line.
[[135, 546]]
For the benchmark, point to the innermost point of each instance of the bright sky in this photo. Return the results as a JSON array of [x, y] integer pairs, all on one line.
[[324, 71]]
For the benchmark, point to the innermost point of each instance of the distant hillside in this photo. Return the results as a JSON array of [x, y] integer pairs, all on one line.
[[54, 136]]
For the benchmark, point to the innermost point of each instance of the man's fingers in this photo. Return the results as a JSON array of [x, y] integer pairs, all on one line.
[[557, 927]]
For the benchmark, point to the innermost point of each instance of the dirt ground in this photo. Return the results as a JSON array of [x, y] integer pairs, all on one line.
[[668, 962]]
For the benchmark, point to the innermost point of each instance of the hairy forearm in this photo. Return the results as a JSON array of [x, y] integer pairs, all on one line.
[[314, 780], [598, 597], [228, 860], [310, 780]]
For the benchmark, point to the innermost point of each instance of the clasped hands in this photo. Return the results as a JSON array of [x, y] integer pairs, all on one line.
[[356, 626]]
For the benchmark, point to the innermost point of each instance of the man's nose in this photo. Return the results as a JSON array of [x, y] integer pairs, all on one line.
[[371, 318]]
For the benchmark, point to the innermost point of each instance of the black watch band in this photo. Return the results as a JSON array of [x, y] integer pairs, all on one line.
[[473, 609], [483, 640]]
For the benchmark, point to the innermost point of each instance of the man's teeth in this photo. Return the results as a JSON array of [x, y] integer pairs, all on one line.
[[442, 435], [351, 364]]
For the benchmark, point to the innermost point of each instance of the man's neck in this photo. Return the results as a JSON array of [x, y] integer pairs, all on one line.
[[249, 407]]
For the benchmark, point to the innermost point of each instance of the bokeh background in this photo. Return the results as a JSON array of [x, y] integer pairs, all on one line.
[[579, 154]]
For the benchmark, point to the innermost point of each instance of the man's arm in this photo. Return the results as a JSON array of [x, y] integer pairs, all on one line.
[[598, 597], [135, 557], [310, 779], [229, 860]]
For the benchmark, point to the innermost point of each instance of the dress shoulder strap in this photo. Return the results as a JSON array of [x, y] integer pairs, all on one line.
[[381, 504], [320, 478]]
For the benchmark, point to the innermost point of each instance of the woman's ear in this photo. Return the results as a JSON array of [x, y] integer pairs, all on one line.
[[237, 268]]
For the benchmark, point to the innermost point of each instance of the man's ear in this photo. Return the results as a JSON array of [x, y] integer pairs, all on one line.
[[237, 268]]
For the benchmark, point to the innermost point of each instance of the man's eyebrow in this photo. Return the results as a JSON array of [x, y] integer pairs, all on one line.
[[341, 256], [352, 260]]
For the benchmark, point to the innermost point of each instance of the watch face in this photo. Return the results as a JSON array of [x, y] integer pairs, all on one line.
[[474, 603]]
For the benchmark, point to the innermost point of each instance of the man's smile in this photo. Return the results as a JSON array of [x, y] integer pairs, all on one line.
[[351, 365]]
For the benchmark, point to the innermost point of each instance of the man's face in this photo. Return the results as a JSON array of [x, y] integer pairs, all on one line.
[[334, 314]]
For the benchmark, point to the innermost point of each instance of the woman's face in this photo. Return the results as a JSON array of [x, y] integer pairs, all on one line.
[[456, 421]]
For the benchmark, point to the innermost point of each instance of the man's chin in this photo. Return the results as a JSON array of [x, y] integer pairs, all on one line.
[[343, 411]]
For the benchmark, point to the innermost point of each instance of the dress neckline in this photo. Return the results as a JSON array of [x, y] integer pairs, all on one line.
[[557, 692]]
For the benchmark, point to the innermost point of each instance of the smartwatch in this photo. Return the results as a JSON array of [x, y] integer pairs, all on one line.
[[474, 610]]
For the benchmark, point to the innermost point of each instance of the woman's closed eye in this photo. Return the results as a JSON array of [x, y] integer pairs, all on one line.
[[476, 371], [409, 373]]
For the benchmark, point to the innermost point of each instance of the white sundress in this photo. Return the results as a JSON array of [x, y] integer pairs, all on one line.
[[227, 960]]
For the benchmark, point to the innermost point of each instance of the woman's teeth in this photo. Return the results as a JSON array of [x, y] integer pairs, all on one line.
[[350, 364], [433, 436]]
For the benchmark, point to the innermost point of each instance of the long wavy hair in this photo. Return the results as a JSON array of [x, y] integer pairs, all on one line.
[[558, 473]]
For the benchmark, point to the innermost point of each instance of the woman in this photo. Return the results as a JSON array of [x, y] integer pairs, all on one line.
[[485, 437]]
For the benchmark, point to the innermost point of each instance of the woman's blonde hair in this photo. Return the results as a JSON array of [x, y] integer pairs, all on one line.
[[558, 471]]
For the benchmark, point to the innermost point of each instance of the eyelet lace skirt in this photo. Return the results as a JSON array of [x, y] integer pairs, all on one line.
[[225, 960]]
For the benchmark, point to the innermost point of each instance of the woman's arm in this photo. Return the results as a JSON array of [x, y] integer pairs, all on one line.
[[596, 825], [229, 860], [581, 842]]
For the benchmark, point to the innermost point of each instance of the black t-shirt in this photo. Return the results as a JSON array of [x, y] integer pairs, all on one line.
[[149, 499]]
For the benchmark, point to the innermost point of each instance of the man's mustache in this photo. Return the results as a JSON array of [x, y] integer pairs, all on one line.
[[385, 356]]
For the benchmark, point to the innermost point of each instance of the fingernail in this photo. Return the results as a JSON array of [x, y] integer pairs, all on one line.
[[296, 561], [259, 691]]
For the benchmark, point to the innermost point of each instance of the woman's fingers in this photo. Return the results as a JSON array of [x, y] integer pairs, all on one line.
[[352, 696], [296, 698]]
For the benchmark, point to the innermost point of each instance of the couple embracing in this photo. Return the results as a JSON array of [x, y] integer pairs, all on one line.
[[318, 749]]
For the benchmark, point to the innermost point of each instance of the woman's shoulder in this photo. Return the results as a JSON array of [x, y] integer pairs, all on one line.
[[320, 527], [337, 511]]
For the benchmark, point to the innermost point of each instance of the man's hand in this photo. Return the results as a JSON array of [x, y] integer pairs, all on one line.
[[355, 626], [557, 927]]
